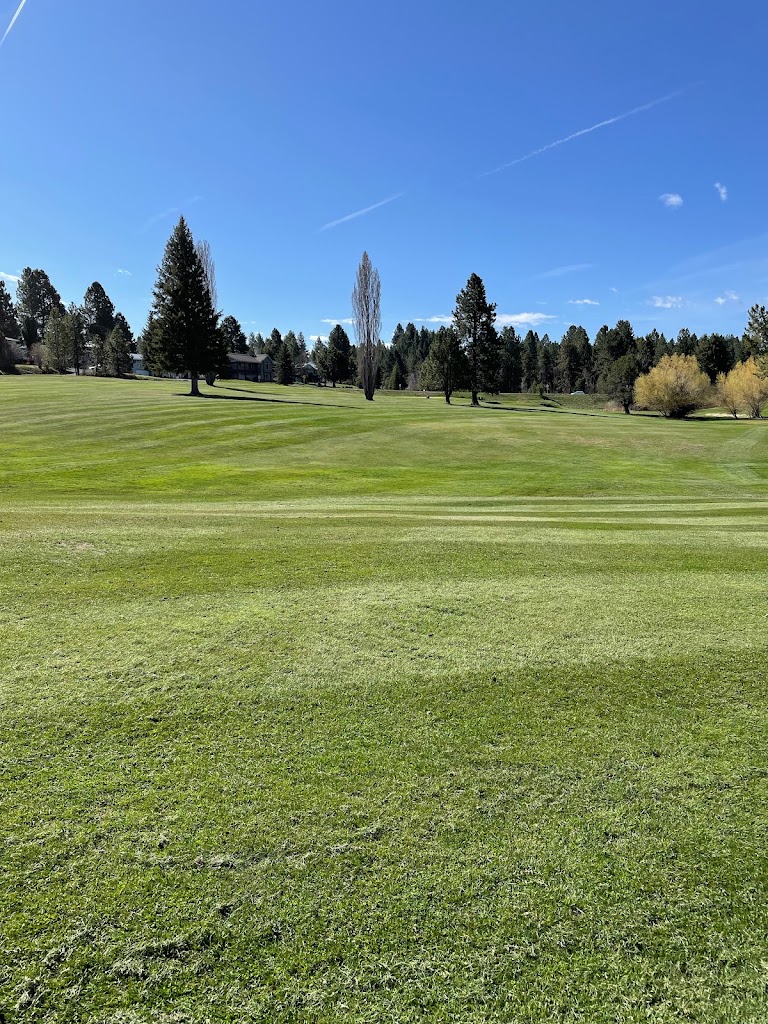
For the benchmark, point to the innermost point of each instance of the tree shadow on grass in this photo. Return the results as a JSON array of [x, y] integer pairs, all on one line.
[[247, 397]]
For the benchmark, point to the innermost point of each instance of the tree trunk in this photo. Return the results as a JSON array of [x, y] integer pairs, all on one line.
[[626, 407], [193, 388], [474, 399], [448, 397]]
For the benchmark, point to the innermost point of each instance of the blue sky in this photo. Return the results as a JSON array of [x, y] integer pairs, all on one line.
[[270, 125]]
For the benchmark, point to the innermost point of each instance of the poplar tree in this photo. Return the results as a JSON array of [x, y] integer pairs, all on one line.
[[366, 310], [183, 334]]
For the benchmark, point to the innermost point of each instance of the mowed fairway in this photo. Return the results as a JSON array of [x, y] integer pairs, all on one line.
[[313, 710]]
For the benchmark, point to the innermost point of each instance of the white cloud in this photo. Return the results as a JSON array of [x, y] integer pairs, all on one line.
[[123, 272], [318, 337], [570, 268], [433, 320], [523, 319], [585, 131], [10, 277], [672, 199], [729, 296], [360, 213], [582, 302], [614, 290], [722, 191], [666, 301], [339, 320]]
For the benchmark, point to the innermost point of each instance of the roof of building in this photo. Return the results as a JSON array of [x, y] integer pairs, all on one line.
[[242, 357]]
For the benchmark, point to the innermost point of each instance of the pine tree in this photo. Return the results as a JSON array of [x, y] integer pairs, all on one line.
[[619, 380], [511, 360], [273, 343], [448, 360], [125, 327], [285, 368], [474, 319], [234, 336], [118, 353], [74, 328], [755, 340], [36, 298], [57, 349], [337, 365], [99, 315], [9, 325], [569, 370], [185, 336], [530, 359]]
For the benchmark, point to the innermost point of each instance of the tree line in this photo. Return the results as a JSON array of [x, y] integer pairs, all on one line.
[[186, 335], [90, 335]]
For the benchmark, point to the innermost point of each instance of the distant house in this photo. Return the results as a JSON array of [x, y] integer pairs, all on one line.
[[259, 369], [138, 368], [308, 373]]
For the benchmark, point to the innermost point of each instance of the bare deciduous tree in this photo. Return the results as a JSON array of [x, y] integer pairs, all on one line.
[[366, 310], [209, 267]]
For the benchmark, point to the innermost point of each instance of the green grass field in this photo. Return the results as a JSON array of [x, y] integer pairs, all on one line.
[[313, 710]]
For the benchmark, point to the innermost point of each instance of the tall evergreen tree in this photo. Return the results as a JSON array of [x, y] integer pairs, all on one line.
[[646, 351], [9, 325], [302, 354], [546, 360], [586, 381], [618, 381], [36, 298], [511, 360], [755, 340], [285, 367], [273, 344], [662, 348], [569, 369], [474, 321], [530, 360], [234, 336], [99, 316], [714, 354], [74, 328], [686, 343], [185, 336], [57, 349], [125, 327], [448, 360], [337, 357], [319, 355], [117, 358]]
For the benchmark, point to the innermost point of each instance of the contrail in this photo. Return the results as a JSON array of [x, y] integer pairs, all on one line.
[[360, 213], [13, 21], [586, 131]]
